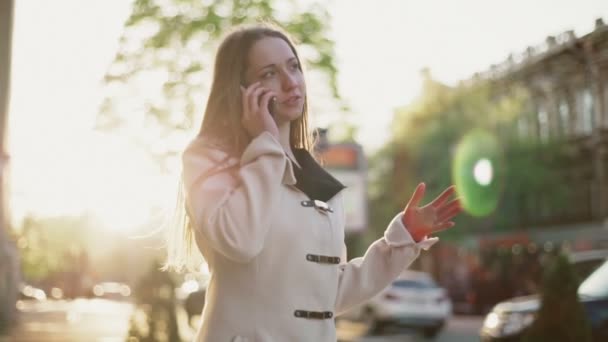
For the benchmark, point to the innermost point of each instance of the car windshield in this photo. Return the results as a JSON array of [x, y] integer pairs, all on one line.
[[414, 284], [596, 285]]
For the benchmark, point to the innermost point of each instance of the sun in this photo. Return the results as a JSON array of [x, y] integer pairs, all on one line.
[[105, 176]]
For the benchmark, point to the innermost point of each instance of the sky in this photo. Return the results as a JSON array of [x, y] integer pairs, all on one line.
[[62, 48], [382, 45]]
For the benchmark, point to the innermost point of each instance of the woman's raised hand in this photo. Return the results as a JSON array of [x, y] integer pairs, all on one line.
[[256, 117], [433, 217]]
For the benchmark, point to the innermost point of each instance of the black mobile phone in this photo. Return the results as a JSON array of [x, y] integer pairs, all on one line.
[[271, 105]]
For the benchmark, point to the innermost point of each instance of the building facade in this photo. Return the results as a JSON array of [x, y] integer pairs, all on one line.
[[566, 109], [566, 78]]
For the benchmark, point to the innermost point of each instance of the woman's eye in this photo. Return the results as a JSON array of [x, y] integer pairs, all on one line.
[[295, 66], [268, 74]]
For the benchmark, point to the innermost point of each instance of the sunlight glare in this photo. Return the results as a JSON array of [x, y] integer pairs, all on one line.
[[105, 176], [483, 172]]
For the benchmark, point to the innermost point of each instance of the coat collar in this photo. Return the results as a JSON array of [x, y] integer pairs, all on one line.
[[289, 177], [312, 179]]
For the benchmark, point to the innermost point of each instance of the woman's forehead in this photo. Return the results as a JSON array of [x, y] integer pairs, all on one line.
[[269, 50]]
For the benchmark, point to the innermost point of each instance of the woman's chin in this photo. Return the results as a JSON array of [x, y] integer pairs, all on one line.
[[289, 115]]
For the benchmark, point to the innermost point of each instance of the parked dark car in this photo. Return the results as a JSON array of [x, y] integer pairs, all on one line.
[[483, 295], [509, 320]]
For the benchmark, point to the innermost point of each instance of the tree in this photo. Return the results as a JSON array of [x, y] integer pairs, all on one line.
[[561, 316], [9, 262], [444, 135], [154, 318], [51, 246], [166, 46]]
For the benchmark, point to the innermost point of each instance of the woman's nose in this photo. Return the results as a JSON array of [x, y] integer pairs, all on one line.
[[289, 81]]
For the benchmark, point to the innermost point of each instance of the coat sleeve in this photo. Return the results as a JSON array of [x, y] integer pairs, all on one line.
[[362, 278], [233, 213]]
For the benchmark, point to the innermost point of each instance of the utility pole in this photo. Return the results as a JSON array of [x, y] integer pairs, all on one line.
[[9, 261]]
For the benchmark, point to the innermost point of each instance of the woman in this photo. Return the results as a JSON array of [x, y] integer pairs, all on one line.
[[267, 218]]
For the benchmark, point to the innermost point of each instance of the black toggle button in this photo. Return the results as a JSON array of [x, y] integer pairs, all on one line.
[[313, 314], [323, 259]]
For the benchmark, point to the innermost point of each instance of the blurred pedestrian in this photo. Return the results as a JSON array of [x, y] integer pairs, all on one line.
[[267, 218]]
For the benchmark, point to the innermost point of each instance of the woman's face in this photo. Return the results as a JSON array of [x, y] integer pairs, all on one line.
[[274, 65]]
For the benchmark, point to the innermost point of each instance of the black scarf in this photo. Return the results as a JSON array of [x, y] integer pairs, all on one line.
[[312, 179]]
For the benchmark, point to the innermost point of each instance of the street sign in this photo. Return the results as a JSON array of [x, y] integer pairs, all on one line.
[[346, 162]]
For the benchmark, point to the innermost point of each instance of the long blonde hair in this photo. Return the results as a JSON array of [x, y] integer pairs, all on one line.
[[222, 127]]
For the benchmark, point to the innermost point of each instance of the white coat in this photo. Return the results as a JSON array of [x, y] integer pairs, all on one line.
[[278, 264]]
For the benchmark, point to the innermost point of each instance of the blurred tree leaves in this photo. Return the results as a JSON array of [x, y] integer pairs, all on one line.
[[561, 316], [154, 318], [168, 46], [425, 139], [51, 245], [53, 248]]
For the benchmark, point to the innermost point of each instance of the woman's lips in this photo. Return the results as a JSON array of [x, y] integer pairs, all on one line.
[[294, 100]]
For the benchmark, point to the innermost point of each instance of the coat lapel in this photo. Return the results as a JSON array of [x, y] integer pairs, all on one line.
[[312, 179]]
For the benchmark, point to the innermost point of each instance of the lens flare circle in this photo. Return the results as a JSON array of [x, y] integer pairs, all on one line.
[[483, 172], [476, 172]]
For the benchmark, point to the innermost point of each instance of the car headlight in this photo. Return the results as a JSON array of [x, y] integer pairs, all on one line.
[[506, 324], [492, 321]]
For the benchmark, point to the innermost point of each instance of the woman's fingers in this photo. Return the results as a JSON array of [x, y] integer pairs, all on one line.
[[443, 197], [245, 99], [254, 99], [450, 210], [443, 226], [247, 96], [435, 216], [255, 106], [447, 215], [455, 203], [417, 196]]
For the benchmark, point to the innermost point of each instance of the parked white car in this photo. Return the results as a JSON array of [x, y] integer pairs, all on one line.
[[414, 300]]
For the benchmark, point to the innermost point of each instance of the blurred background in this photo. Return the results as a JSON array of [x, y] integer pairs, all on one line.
[[506, 100]]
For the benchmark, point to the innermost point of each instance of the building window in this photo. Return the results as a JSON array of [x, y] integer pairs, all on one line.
[[586, 111], [522, 126], [564, 117], [543, 122]]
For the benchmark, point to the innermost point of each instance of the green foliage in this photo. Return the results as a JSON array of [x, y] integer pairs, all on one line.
[[534, 182], [154, 319], [427, 137], [169, 44], [51, 245], [561, 316]]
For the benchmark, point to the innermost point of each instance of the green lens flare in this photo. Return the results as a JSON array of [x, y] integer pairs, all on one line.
[[477, 173]]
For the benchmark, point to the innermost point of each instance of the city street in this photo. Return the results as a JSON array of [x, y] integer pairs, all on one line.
[[72, 321], [458, 329], [108, 321], [174, 170]]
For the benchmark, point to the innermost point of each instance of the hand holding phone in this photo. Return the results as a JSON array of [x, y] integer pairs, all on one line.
[[258, 109]]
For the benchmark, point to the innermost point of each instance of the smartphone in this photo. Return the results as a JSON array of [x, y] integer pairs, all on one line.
[[271, 105]]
